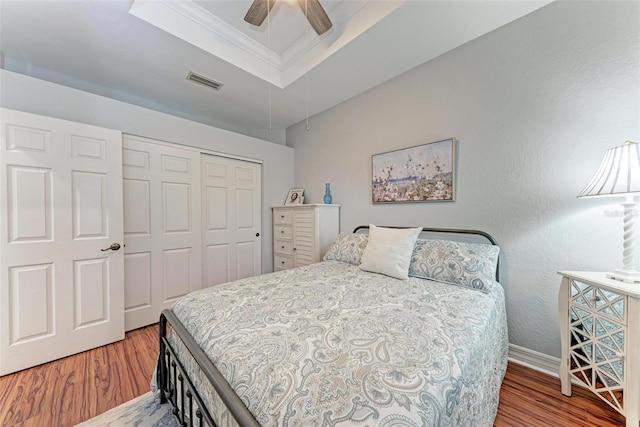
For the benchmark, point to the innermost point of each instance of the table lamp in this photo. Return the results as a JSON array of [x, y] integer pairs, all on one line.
[[619, 175]]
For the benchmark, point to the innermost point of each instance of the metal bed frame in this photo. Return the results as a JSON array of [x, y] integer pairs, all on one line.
[[178, 390]]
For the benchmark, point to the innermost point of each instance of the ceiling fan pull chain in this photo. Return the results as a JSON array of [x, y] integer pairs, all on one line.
[[306, 57], [269, 57]]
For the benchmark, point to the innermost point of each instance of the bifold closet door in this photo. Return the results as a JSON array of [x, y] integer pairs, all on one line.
[[162, 227], [61, 266], [232, 196]]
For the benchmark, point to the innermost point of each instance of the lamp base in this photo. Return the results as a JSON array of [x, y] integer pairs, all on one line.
[[627, 276]]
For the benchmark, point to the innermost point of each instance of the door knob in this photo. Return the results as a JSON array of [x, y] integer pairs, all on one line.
[[257, 234], [113, 247]]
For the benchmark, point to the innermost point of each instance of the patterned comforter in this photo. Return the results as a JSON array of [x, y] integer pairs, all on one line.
[[331, 345]]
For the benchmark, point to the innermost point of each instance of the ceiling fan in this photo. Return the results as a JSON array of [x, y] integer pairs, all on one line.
[[316, 15]]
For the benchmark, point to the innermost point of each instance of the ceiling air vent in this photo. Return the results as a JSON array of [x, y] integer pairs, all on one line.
[[204, 80]]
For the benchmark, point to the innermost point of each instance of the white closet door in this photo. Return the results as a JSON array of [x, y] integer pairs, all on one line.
[[162, 227], [60, 206], [232, 194]]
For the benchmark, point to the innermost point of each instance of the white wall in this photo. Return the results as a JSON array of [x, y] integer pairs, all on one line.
[[31, 95], [534, 105]]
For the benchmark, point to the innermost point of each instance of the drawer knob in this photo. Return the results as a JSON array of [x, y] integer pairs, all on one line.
[[282, 262], [282, 247], [282, 231], [281, 216]]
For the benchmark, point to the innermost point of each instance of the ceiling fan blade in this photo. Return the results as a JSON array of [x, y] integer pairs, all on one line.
[[258, 11], [316, 15]]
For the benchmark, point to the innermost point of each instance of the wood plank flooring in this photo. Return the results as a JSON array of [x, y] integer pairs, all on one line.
[[530, 398], [74, 389]]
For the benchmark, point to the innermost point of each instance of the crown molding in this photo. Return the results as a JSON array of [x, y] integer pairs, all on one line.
[[192, 23]]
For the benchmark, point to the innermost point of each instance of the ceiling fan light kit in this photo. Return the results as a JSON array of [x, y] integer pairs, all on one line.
[[313, 10]]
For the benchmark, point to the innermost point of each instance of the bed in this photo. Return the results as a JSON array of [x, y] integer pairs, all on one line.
[[332, 345]]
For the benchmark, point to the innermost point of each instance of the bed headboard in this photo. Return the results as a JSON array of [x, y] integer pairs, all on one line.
[[445, 231]]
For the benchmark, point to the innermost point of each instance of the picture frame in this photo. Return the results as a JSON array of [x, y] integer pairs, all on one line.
[[423, 173], [295, 197]]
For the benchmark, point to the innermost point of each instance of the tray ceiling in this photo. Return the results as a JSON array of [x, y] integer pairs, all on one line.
[[142, 52]]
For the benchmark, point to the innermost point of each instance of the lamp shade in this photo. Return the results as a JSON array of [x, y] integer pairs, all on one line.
[[619, 172]]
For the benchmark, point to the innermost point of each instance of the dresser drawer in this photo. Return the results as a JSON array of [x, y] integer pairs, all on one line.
[[281, 262], [283, 247], [282, 216], [282, 232]]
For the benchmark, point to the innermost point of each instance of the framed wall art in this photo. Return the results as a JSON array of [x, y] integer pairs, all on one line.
[[425, 173]]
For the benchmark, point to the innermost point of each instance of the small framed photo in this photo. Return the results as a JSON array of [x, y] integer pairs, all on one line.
[[295, 197]]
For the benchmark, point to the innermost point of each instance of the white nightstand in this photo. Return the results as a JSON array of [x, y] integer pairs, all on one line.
[[600, 333]]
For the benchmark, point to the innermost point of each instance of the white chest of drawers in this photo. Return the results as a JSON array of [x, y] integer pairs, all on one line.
[[303, 233], [600, 334]]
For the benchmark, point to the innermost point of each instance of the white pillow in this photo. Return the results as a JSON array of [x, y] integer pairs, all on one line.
[[389, 251]]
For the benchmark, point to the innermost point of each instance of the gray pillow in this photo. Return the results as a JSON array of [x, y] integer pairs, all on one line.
[[472, 265], [348, 248]]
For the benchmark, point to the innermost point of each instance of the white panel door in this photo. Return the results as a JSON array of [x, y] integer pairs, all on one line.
[[232, 195], [162, 227], [61, 292]]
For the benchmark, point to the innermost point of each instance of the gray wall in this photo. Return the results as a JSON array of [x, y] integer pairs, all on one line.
[[533, 105], [32, 95], [277, 136]]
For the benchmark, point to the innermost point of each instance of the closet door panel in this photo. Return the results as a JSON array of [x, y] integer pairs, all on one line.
[[232, 196], [162, 222]]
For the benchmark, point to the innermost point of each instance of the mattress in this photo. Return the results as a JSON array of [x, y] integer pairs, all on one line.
[[329, 344]]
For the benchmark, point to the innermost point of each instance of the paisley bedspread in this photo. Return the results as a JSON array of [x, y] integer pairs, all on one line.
[[331, 345]]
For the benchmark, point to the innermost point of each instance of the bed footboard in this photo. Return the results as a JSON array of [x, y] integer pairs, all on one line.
[[177, 388]]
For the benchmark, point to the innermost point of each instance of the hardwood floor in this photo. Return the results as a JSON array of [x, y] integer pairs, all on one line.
[[74, 389], [530, 398]]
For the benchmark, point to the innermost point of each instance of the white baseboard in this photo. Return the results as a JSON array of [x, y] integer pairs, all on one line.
[[535, 360]]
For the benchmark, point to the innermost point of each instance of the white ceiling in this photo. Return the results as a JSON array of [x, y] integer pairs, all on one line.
[[98, 46], [282, 49]]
